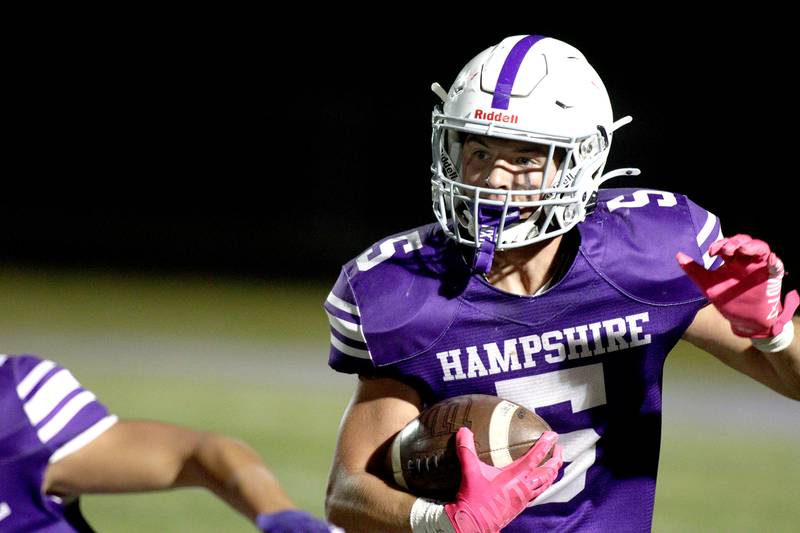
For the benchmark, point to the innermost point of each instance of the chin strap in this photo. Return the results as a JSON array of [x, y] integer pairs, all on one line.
[[488, 226], [482, 261]]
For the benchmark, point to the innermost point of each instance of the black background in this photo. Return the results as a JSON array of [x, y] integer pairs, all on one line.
[[250, 144]]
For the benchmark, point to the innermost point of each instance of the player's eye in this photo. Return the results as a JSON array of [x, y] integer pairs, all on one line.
[[531, 162], [481, 155]]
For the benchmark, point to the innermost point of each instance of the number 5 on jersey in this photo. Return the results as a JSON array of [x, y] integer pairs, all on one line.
[[387, 249], [583, 387]]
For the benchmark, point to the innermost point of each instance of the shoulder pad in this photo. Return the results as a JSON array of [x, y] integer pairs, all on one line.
[[632, 238], [405, 290]]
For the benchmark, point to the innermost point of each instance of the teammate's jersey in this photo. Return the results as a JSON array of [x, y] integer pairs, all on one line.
[[587, 355], [46, 415]]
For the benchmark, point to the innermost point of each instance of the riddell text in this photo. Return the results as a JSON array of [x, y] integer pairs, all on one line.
[[497, 116]]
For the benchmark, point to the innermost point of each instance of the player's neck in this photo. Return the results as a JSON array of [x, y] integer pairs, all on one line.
[[526, 270]]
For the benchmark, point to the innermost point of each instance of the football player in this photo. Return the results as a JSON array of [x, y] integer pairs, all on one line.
[[537, 286], [57, 441]]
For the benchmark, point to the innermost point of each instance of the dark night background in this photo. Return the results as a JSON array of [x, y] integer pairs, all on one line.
[[222, 146]]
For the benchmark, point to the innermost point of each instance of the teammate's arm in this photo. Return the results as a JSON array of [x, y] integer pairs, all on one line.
[[358, 498], [136, 456]]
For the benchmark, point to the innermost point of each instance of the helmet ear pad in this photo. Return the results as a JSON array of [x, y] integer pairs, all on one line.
[[455, 145], [582, 170]]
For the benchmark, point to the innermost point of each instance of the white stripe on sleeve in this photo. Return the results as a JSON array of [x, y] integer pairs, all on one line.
[[84, 438], [349, 350], [3, 358], [67, 413], [33, 378], [707, 259], [338, 303], [708, 227], [47, 398], [351, 330]]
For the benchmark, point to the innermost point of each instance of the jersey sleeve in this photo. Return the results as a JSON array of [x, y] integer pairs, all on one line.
[[349, 352], [392, 302], [64, 416], [708, 230]]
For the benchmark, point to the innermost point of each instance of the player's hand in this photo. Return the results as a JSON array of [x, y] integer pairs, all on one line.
[[747, 288], [491, 497], [293, 521]]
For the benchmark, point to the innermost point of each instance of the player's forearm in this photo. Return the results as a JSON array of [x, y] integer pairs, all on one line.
[[786, 364], [365, 503], [780, 371], [235, 473]]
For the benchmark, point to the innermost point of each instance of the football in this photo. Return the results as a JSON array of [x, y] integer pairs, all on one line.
[[422, 456]]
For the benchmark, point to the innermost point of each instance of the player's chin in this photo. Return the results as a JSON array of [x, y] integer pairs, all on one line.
[[526, 199], [527, 212], [501, 200]]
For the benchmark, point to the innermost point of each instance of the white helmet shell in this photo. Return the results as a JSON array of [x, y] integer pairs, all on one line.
[[546, 86]]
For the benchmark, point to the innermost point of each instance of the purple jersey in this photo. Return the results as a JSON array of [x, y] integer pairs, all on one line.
[[587, 354], [46, 415]]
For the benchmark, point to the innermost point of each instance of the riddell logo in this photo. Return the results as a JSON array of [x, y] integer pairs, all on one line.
[[496, 116], [449, 169]]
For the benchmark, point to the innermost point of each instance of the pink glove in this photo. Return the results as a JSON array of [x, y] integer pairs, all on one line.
[[491, 497], [747, 288]]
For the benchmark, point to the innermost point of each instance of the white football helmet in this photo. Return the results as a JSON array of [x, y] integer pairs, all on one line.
[[527, 88]]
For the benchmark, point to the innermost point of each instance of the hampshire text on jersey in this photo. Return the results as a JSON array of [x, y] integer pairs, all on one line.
[[550, 347]]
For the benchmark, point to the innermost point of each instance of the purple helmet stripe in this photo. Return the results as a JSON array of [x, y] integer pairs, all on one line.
[[505, 82]]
